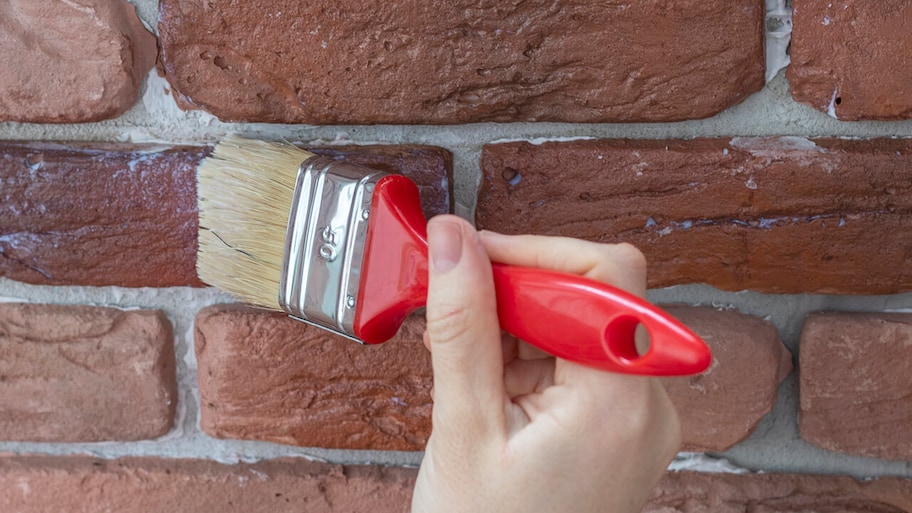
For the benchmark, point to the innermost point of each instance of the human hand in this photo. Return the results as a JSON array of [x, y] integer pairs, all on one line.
[[515, 430]]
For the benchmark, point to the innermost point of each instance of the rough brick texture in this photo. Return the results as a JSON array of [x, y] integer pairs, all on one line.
[[691, 492], [723, 406], [264, 376], [856, 394], [116, 214], [444, 61], [46, 74], [34, 484], [851, 59], [146, 485], [784, 215], [85, 374]]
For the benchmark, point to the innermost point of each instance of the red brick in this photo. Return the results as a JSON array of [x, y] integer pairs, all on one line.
[[47, 77], [691, 492], [118, 214], [35, 484], [264, 376], [782, 215], [855, 386], [85, 374], [851, 59], [723, 406], [445, 62], [146, 485]]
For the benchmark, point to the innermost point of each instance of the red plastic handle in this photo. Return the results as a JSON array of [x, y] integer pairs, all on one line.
[[593, 324], [569, 316]]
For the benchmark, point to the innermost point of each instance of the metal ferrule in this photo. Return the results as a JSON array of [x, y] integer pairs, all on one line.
[[324, 243]]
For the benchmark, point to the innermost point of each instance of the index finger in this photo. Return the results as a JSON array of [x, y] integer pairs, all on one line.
[[621, 265]]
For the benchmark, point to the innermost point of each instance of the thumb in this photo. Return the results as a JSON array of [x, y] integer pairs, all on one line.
[[462, 328]]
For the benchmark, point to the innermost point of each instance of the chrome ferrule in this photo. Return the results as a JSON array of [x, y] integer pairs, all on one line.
[[324, 243]]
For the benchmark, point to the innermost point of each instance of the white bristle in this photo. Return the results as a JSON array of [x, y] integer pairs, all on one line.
[[245, 189]]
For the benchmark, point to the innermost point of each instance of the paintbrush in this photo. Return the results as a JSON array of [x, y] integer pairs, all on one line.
[[344, 247]]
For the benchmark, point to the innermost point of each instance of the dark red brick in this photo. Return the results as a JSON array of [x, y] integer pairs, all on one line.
[[856, 395], [723, 406], [445, 62], [85, 374], [782, 215], [69, 62], [118, 214], [90, 214], [851, 59]]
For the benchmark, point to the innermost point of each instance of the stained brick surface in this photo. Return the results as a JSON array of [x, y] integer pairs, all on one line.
[[722, 406], [784, 215], [851, 59], [115, 214], [264, 376], [98, 214], [145, 485], [85, 374], [80, 484], [69, 62], [441, 62], [855, 384], [267, 377]]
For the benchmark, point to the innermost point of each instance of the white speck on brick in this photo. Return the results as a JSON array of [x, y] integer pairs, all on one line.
[[751, 184], [831, 110], [650, 222], [261, 475]]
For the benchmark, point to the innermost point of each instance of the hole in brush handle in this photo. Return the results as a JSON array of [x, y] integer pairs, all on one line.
[[394, 275]]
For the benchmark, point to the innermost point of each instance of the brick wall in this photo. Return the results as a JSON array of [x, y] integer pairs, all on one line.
[[774, 208]]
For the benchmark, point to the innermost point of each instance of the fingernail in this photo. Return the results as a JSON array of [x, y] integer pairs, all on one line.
[[444, 246]]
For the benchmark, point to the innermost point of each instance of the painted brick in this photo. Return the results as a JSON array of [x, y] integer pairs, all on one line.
[[784, 215], [117, 214], [444, 62], [46, 76], [85, 374], [36, 484], [82, 214], [723, 406], [855, 387], [692, 492], [850, 59], [145, 485], [263, 376]]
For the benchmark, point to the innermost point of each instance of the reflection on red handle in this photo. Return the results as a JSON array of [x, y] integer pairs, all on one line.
[[568, 316]]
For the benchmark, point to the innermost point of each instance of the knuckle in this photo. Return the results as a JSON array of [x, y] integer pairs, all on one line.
[[629, 256], [448, 324]]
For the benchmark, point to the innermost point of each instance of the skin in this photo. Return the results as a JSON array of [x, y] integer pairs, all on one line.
[[515, 430]]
